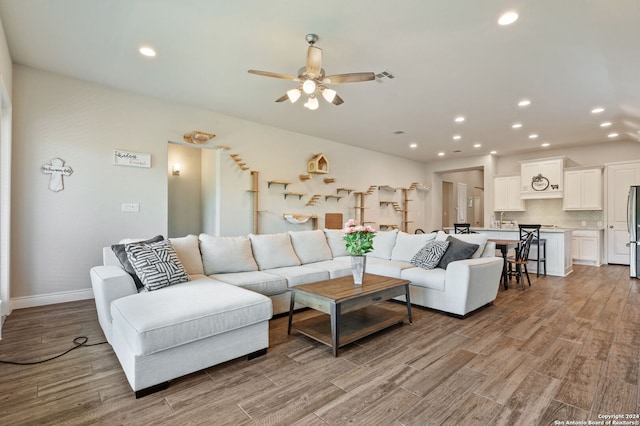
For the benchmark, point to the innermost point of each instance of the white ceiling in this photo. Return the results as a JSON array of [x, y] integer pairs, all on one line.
[[449, 58]]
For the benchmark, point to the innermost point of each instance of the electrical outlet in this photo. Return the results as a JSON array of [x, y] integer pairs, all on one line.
[[130, 207]]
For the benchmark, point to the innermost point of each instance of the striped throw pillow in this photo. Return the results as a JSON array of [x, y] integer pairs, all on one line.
[[429, 256], [156, 264]]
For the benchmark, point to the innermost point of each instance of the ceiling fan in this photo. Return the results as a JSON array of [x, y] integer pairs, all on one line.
[[314, 80]]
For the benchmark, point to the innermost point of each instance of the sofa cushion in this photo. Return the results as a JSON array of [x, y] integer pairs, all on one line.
[[159, 320], [156, 264], [428, 278], [388, 268], [121, 254], [383, 244], [407, 245], [273, 251], [339, 267], [457, 250], [188, 251], [258, 281], [429, 256], [474, 238], [310, 246], [226, 254], [337, 244], [296, 275]]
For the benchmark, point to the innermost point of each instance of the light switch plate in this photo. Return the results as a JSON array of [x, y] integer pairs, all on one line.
[[130, 207]]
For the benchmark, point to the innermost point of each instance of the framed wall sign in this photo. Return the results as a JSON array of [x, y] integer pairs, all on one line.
[[132, 159], [539, 183]]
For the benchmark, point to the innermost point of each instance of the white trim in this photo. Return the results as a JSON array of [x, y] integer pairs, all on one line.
[[5, 199], [51, 298]]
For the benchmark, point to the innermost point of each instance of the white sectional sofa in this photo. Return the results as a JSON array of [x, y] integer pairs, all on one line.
[[238, 283]]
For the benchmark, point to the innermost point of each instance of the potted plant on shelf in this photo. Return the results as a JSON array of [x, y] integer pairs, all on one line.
[[359, 241]]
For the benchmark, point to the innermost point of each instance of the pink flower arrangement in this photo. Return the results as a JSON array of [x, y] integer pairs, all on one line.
[[359, 238]]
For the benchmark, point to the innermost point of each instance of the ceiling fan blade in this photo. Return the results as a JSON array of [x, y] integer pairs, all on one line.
[[274, 75], [314, 61], [353, 77], [337, 100], [283, 98]]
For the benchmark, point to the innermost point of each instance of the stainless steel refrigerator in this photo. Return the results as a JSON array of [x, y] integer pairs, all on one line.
[[633, 226]]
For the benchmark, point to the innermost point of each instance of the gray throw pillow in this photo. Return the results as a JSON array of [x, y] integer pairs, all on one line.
[[118, 249], [429, 256], [457, 250]]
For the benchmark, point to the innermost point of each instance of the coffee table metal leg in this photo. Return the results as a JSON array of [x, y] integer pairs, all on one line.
[[335, 327], [408, 299], [293, 300]]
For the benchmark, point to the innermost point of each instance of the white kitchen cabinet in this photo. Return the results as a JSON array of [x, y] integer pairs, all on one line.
[[506, 194], [586, 247], [583, 189], [542, 178]]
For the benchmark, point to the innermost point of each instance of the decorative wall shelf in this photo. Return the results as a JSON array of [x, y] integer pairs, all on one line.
[[313, 200], [278, 182], [294, 194]]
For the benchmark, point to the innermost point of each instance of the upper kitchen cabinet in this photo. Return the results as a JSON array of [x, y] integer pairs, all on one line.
[[542, 178], [583, 189], [506, 194]]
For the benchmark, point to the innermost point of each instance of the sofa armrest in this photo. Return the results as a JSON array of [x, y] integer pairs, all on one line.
[[109, 283], [471, 283]]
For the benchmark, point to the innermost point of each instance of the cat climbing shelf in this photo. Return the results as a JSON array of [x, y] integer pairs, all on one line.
[[334, 197], [298, 219], [278, 182], [313, 200], [347, 190], [294, 194]]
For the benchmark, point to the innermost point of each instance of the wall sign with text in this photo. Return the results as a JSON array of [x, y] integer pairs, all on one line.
[[133, 159]]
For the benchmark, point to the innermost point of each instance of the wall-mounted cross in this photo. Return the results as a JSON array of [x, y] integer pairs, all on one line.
[[57, 170]]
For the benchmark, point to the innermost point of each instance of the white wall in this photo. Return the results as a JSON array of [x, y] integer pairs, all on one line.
[[57, 237]]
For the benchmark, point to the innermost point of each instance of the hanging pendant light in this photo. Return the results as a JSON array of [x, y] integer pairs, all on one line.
[[294, 95], [312, 103], [329, 94]]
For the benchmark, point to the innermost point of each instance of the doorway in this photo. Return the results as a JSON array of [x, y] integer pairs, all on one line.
[[447, 204]]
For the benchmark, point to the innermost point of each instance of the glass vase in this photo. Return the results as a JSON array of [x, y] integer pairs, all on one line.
[[358, 266]]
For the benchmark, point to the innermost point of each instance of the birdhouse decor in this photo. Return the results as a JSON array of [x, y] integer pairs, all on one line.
[[318, 164]]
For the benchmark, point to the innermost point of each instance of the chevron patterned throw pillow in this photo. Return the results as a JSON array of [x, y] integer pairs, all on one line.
[[156, 264], [429, 256]]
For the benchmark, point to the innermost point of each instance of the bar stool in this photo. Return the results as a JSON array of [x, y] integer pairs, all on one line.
[[540, 243], [461, 228]]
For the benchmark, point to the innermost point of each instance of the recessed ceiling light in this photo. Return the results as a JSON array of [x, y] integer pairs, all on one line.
[[456, 137], [459, 119], [477, 145], [493, 152], [147, 51], [524, 103], [546, 144], [612, 135], [413, 145], [533, 136], [605, 124], [508, 18], [597, 110], [516, 125], [441, 154]]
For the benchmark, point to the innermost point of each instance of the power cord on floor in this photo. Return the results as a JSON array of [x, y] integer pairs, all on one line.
[[79, 342]]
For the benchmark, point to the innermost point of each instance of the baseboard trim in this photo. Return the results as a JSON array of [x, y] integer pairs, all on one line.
[[51, 298]]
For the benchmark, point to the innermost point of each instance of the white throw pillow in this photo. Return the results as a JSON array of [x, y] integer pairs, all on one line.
[[407, 245], [226, 254], [383, 244], [337, 244], [479, 238], [273, 251], [188, 251], [310, 246]]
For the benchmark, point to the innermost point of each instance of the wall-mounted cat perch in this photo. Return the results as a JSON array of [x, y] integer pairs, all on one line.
[[197, 137], [329, 180], [298, 219], [313, 200], [304, 177]]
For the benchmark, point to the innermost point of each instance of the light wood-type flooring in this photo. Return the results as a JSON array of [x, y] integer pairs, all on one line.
[[565, 349]]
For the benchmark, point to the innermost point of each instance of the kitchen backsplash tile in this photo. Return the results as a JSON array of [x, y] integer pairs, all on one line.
[[549, 212]]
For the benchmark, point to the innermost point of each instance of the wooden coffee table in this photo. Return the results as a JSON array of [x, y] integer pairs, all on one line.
[[353, 313]]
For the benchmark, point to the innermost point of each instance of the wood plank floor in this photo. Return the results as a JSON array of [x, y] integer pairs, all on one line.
[[565, 349]]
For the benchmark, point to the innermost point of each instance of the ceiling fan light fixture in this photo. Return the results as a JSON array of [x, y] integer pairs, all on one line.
[[312, 103], [294, 95], [329, 95], [309, 86]]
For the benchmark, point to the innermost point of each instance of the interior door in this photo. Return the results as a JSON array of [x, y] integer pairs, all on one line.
[[619, 178], [461, 216]]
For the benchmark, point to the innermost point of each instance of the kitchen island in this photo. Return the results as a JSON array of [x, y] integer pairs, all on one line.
[[559, 257]]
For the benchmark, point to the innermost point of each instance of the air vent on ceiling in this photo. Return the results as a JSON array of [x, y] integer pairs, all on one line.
[[398, 132], [381, 76]]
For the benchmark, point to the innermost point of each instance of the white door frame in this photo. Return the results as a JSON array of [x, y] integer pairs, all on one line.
[[5, 201]]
